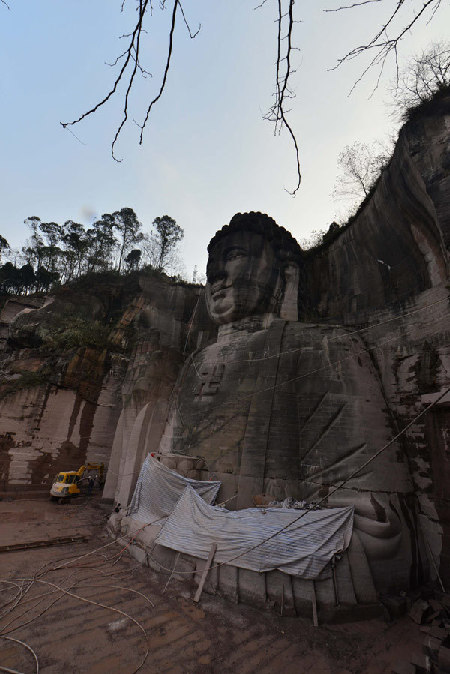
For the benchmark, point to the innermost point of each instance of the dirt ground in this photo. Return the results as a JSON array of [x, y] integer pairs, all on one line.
[[87, 606]]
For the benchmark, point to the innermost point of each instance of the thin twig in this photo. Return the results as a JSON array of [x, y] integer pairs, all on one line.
[[381, 44], [277, 114], [166, 70]]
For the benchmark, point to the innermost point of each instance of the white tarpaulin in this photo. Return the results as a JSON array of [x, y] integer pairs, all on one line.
[[158, 490], [304, 549]]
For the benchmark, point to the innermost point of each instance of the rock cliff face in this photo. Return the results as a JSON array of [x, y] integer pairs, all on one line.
[[387, 274], [70, 362], [397, 246], [171, 323]]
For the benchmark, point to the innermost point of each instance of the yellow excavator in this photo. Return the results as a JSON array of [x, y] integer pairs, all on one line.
[[66, 484]]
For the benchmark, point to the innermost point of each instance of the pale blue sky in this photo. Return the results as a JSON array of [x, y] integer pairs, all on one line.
[[207, 153]]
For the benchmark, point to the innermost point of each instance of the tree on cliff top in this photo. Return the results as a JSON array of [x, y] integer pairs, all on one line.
[[4, 245], [168, 235], [359, 164], [425, 75], [125, 222], [57, 254]]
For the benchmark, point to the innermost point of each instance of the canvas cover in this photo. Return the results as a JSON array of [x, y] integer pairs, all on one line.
[[304, 549], [158, 490]]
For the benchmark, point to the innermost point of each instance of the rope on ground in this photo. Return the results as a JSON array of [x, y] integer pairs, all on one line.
[[75, 559], [118, 587], [22, 643], [96, 603], [39, 615], [20, 598], [17, 597], [11, 671], [132, 538]]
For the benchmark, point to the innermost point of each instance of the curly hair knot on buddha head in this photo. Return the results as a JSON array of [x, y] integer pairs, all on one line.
[[282, 241]]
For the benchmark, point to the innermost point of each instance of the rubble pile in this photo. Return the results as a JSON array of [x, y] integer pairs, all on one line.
[[433, 616]]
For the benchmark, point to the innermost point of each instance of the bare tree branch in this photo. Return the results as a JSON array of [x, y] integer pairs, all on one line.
[[135, 47], [423, 76], [381, 44], [166, 70], [132, 46], [380, 47], [260, 4], [355, 4], [131, 65], [277, 113], [191, 35]]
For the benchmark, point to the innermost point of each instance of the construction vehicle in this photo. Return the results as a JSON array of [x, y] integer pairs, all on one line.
[[67, 484]]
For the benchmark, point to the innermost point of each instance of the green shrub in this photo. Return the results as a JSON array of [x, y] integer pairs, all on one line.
[[73, 332]]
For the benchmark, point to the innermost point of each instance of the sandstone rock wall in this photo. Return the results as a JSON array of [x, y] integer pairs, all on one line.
[[48, 429], [411, 350], [396, 247], [171, 323], [61, 409], [387, 275]]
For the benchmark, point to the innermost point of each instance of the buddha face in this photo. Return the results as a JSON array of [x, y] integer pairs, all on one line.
[[242, 277]]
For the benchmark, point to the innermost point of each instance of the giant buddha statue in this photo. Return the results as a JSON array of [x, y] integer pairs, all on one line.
[[280, 408]]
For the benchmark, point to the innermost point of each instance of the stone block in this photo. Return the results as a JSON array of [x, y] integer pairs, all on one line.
[[325, 592], [193, 474], [124, 526], [134, 527], [395, 605], [344, 582], [199, 463], [421, 663], [184, 464], [444, 659], [113, 525], [438, 632], [211, 581], [228, 585], [280, 592], [161, 558], [431, 646], [252, 587], [147, 536], [184, 567], [138, 553], [403, 667], [419, 611], [303, 596], [169, 462]]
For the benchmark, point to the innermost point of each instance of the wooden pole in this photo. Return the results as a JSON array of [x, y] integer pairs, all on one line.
[[212, 552], [314, 605]]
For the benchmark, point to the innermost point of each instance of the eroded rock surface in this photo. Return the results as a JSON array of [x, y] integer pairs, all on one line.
[[69, 364]]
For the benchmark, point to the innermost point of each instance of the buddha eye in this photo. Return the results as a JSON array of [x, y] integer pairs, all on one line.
[[234, 254]]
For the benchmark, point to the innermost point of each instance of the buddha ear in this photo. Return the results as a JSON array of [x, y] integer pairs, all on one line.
[[289, 303]]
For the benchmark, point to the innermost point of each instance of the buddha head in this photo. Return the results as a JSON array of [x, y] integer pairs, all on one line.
[[252, 269]]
